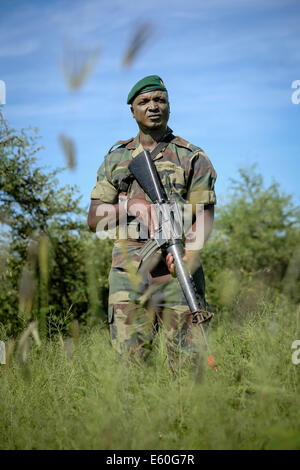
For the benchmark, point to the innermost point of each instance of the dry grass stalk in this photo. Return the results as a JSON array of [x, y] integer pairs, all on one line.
[[26, 292], [10, 346], [141, 35], [131, 268], [69, 150], [43, 257], [78, 65], [24, 341], [75, 331]]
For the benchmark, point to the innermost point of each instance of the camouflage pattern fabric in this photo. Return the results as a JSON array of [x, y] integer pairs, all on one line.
[[142, 299], [184, 169]]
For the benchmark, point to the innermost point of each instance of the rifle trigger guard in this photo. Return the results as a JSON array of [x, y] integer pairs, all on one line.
[[202, 316]]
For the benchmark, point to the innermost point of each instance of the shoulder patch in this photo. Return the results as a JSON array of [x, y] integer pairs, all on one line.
[[184, 143], [121, 143]]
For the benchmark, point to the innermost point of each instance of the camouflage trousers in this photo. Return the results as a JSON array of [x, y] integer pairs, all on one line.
[[144, 296]]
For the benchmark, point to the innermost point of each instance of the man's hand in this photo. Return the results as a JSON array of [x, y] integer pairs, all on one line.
[[140, 208], [170, 264], [145, 213], [191, 259]]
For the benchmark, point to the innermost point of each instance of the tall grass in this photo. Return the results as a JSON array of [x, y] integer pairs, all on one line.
[[90, 398]]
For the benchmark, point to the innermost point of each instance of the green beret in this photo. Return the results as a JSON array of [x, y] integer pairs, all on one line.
[[150, 83]]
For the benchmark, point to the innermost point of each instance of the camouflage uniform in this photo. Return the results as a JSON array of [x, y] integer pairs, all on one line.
[[141, 299]]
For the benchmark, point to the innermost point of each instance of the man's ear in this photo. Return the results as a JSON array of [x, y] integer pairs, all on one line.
[[169, 105], [131, 109]]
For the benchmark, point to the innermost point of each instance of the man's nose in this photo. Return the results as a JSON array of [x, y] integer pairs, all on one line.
[[153, 105]]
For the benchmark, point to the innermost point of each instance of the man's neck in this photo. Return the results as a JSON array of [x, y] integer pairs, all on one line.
[[149, 139]]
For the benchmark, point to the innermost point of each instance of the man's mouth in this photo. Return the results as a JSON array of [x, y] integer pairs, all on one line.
[[154, 116]]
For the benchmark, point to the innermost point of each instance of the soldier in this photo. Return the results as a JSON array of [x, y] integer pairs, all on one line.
[[143, 296]]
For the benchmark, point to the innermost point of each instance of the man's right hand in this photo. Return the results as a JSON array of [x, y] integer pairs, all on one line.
[[140, 208], [145, 213]]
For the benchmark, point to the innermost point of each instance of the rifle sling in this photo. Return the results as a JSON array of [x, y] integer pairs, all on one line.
[[125, 182]]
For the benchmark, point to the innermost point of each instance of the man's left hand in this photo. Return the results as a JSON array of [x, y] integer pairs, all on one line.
[[191, 259]]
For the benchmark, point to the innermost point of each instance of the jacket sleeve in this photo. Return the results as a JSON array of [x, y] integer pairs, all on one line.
[[202, 177], [104, 188]]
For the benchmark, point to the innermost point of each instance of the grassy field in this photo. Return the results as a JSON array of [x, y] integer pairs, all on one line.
[[92, 399]]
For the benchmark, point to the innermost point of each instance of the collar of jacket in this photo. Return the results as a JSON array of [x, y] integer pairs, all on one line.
[[134, 143]]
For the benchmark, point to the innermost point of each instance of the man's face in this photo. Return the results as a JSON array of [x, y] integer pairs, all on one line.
[[151, 110]]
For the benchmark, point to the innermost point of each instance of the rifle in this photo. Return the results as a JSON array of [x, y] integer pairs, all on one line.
[[168, 235]]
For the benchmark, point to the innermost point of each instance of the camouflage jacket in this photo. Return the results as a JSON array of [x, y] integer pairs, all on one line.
[[184, 169]]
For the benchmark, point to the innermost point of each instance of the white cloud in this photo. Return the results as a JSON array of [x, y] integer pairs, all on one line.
[[19, 48]]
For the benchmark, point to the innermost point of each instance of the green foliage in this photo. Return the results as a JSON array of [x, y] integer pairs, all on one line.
[[70, 394], [84, 396], [255, 243], [45, 247], [52, 268]]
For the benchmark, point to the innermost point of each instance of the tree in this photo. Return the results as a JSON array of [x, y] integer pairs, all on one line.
[[44, 242], [256, 238]]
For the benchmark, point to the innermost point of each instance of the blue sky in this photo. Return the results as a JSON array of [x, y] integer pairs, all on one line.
[[228, 66]]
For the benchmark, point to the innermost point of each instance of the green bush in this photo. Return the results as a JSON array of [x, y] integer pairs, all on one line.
[[255, 244], [51, 267], [81, 395]]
